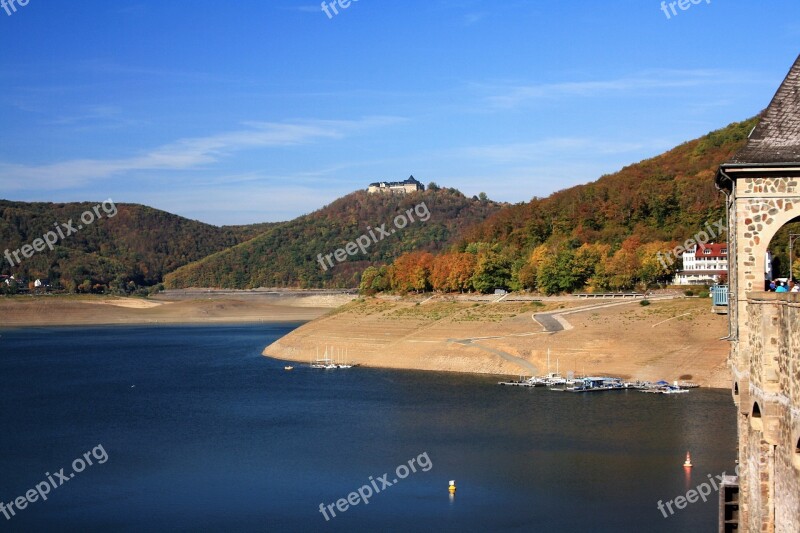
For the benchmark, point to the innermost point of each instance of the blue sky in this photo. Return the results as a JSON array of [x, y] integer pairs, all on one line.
[[253, 111]]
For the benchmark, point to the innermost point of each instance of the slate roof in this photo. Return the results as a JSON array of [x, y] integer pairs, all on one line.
[[776, 139], [410, 181]]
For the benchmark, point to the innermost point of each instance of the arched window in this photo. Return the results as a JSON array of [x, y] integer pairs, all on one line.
[[796, 454], [755, 418]]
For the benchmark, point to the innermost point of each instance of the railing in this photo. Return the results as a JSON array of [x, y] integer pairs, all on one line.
[[720, 294], [610, 295]]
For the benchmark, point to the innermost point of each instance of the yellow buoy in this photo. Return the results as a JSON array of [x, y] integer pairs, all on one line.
[[452, 487], [688, 462]]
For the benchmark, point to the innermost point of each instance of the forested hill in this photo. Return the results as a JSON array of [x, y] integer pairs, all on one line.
[[668, 197], [121, 252], [603, 235], [611, 234], [288, 254]]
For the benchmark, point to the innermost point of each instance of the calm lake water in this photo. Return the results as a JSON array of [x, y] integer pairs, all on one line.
[[201, 433]]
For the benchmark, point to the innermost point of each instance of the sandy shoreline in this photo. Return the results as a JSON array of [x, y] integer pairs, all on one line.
[[227, 308], [670, 339], [675, 339]]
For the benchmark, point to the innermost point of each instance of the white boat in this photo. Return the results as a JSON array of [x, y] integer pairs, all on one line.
[[323, 362], [327, 363], [553, 379]]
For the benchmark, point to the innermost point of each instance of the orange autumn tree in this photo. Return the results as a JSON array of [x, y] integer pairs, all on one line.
[[411, 272], [462, 271], [452, 272], [440, 272]]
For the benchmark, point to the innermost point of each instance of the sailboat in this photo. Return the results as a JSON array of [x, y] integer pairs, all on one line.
[[343, 363], [329, 362], [325, 362], [553, 378]]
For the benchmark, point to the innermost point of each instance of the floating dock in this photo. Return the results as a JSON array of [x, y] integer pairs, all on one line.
[[600, 384]]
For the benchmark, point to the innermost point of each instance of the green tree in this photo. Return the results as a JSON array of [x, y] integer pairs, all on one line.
[[587, 258], [367, 280], [558, 273], [654, 266], [493, 271]]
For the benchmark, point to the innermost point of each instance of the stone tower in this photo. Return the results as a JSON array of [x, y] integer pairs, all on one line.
[[762, 187]]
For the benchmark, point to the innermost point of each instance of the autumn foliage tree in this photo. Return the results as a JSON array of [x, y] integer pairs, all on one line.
[[411, 272], [453, 272]]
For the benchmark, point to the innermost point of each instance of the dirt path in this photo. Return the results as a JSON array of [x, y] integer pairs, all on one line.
[[554, 322], [527, 365]]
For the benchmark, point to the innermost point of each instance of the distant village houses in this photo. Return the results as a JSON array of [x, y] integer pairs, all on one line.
[[396, 187], [703, 264]]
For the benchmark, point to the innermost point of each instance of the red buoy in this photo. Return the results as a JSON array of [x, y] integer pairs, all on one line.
[[688, 462]]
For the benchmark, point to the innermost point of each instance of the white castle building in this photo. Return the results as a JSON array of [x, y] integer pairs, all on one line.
[[396, 187]]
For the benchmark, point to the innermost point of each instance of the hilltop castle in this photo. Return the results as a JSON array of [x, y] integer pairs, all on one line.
[[396, 187]]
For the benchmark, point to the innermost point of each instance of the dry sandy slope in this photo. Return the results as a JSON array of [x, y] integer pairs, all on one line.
[[89, 310], [670, 339]]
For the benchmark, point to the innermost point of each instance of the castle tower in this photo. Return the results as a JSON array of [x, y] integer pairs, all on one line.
[[762, 187]]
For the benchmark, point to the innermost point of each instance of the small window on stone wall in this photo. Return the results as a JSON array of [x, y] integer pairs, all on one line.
[[755, 418], [796, 454]]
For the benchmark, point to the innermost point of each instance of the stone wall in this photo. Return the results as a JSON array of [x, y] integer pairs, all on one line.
[[769, 413]]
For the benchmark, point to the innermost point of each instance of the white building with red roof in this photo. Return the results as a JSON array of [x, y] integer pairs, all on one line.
[[703, 264]]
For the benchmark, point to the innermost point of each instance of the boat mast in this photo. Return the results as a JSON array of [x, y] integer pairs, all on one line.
[[548, 359]]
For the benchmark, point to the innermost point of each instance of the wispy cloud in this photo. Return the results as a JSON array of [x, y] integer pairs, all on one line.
[[523, 182], [514, 95], [546, 149], [303, 9], [184, 154], [248, 205], [93, 117], [473, 18]]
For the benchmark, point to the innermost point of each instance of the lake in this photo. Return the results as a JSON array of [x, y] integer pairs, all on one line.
[[189, 428]]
